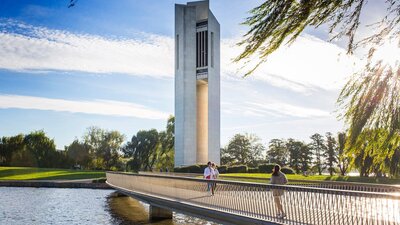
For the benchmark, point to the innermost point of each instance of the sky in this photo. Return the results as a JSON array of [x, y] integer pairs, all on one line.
[[110, 64]]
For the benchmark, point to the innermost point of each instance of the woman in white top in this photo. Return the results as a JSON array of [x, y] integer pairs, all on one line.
[[209, 175], [278, 178]]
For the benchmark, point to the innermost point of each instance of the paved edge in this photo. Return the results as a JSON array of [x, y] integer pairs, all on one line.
[[192, 210], [52, 184]]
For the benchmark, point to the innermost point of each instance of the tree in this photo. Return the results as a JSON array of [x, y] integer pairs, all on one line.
[[305, 157], [277, 152], [10, 146], [295, 154], [275, 22], [79, 153], [369, 155], [110, 148], [394, 163], [370, 99], [166, 152], [41, 147], [104, 147], [343, 159], [242, 149], [142, 150], [331, 153], [318, 147]]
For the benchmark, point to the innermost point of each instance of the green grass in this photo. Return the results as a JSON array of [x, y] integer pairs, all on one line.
[[263, 178], [32, 173]]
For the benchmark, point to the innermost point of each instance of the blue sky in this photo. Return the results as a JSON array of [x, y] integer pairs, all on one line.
[[110, 64]]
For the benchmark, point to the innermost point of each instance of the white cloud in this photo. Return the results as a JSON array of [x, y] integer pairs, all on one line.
[[275, 109], [25, 47], [98, 107], [307, 64], [290, 110]]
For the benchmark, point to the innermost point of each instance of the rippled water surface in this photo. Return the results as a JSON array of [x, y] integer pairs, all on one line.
[[77, 206]]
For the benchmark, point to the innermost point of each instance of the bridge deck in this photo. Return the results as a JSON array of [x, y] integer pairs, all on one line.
[[302, 205]]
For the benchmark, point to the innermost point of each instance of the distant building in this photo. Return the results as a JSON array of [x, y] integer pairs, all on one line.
[[197, 84]]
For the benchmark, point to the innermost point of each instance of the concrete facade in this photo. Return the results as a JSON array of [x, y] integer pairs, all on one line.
[[197, 84]]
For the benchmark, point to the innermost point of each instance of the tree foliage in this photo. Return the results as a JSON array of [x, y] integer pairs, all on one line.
[[277, 152], [369, 156], [295, 151], [331, 153], [242, 150], [318, 146], [370, 99], [79, 153], [343, 158], [166, 152], [104, 147], [10, 146], [35, 149], [150, 149], [275, 22]]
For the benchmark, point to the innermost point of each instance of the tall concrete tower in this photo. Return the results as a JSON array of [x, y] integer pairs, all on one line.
[[197, 84]]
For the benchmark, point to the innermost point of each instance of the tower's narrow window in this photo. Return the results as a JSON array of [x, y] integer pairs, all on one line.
[[212, 49], [202, 44], [197, 49], [177, 51], [205, 48]]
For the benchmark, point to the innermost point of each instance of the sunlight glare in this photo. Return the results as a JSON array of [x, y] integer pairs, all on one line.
[[389, 53]]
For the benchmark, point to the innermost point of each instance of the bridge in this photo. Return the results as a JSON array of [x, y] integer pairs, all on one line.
[[252, 203]]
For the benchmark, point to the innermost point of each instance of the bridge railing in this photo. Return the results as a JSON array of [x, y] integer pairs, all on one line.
[[303, 205], [341, 185], [351, 186]]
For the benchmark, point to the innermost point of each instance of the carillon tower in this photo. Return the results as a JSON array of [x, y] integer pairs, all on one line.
[[197, 84]]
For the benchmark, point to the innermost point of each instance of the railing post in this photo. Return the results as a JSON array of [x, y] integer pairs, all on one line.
[[157, 213]]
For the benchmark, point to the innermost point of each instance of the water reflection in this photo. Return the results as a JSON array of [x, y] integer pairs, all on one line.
[[128, 211], [37, 206]]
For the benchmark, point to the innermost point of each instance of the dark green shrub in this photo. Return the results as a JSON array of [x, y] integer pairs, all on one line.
[[202, 167], [190, 169], [222, 169], [237, 169], [100, 180], [266, 168], [287, 170], [253, 170]]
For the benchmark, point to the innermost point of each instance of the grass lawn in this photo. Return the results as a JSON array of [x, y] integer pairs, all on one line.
[[263, 178], [33, 173]]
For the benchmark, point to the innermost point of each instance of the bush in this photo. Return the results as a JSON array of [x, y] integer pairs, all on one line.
[[222, 169], [190, 169], [253, 170], [202, 167], [287, 170], [266, 168], [237, 169]]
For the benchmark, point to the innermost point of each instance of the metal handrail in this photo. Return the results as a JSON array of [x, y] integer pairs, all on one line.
[[271, 186], [303, 205], [341, 185]]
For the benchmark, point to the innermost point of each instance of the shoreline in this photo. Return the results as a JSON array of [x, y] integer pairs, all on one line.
[[54, 184]]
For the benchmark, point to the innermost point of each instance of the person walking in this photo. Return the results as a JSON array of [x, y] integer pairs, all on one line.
[[209, 175], [216, 175], [278, 178]]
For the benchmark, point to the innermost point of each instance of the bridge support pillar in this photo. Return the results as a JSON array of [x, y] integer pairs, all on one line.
[[157, 213]]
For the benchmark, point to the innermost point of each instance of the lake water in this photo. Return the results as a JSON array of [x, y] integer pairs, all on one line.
[[77, 206]]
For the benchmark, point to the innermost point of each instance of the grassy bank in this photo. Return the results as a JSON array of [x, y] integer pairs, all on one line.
[[32, 173], [263, 178]]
